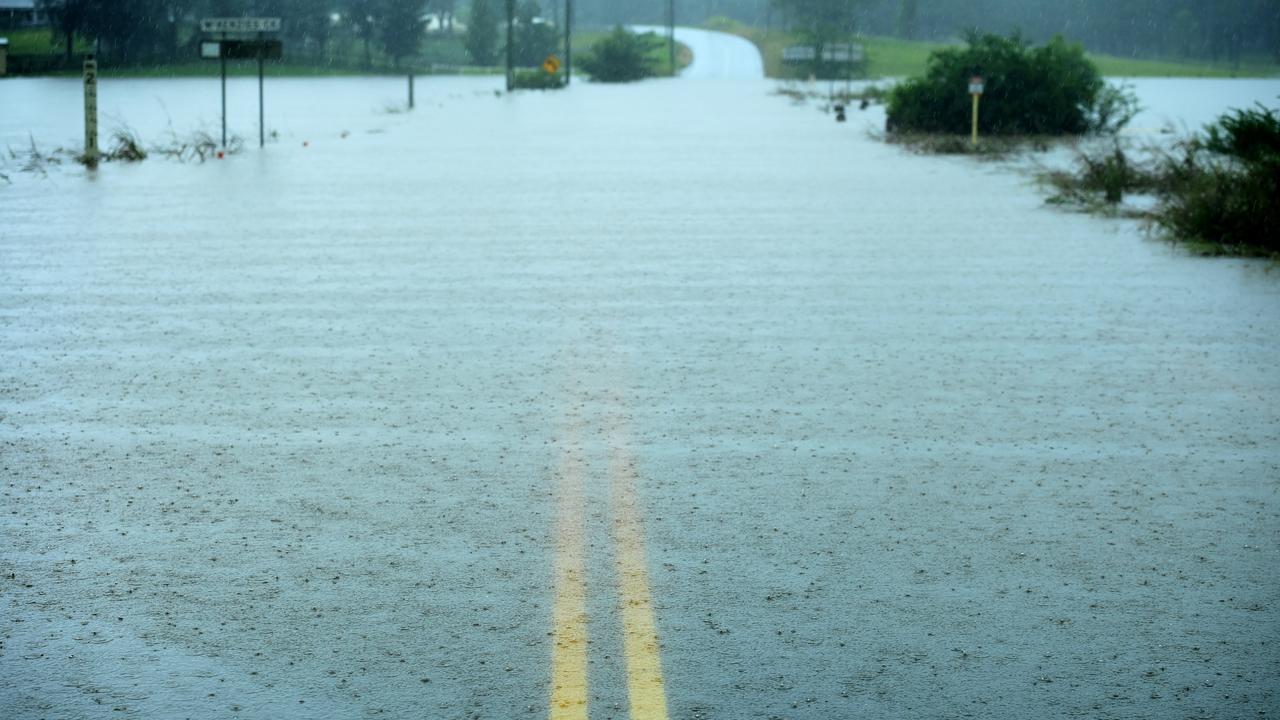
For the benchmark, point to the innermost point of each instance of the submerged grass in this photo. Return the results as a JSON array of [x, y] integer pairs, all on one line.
[[988, 148], [1216, 192], [124, 146]]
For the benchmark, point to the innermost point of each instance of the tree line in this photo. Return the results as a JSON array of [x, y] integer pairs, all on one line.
[[132, 31], [147, 31], [1219, 30], [1206, 29]]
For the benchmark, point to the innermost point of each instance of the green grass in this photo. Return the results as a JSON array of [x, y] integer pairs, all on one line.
[[39, 41], [892, 57], [1113, 66]]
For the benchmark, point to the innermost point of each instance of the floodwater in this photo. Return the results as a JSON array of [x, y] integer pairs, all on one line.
[[308, 432]]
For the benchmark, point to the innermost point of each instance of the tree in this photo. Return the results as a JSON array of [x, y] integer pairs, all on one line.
[[363, 17], [534, 39], [482, 32], [822, 22], [621, 56], [1052, 89], [133, 31], [69, 18], [401, 28], [908, 16], [444, 11]]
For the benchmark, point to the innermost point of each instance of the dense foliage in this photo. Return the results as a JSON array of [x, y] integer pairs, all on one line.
[[148, 30], [537, 80], [159, 31], [620, 56], [1051, 89], [1225, 188], [1216, 190], [534, 39]]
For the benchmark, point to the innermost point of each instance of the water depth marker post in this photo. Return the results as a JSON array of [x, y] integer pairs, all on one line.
[[91, 112], [222, 62]]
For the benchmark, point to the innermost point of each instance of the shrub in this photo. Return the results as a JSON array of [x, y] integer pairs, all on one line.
[[125, 147], [537, 80], [1224, 188], [1216, 191], [1048, 90], [620, 56], [1111, 175]]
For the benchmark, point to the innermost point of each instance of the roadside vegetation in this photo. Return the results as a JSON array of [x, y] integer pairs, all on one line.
[[1051, 89], [122, 145], [1216, 191], [894, 57], [624, 56]]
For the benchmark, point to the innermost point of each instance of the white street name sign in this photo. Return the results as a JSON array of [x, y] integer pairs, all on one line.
[[240, 25]]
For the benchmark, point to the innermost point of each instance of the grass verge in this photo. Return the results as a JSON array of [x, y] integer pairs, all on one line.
[[893, 57]]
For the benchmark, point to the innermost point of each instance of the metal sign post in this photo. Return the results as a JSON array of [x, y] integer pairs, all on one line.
[[262, 122], [91, 112], [225, 48], [568, 41], [511, 24], [976, 87]]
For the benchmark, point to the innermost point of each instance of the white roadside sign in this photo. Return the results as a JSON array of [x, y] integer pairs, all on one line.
[[240, 25]]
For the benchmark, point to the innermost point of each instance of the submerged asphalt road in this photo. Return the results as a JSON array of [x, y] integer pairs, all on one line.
[[450, 419]]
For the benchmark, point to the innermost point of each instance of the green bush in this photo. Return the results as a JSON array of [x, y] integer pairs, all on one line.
[[620, 56], [1052, 89], [537, 80], [1224, 189], [1216, 191]]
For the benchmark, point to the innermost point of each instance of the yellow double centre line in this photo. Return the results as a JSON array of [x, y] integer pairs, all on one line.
[[569, 688], [569, 659], [639, 630]]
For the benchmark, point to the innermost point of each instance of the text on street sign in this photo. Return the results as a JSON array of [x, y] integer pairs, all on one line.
[[240, 25]]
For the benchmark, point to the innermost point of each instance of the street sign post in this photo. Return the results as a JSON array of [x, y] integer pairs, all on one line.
[[976, 87], [568, 41], [254, 47]]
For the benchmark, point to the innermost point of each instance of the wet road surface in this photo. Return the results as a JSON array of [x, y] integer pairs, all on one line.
[[451, 419]]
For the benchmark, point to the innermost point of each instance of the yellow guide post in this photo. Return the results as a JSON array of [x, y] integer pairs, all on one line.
[[976, 97], [976, 86]]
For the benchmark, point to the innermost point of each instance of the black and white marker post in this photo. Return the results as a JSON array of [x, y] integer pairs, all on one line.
[[90, 112]]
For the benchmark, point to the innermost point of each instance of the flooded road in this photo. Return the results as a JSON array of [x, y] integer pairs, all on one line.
[[451, 415]]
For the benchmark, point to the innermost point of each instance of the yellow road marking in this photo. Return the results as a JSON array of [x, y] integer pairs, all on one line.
[[639, 629], [569, 656]]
